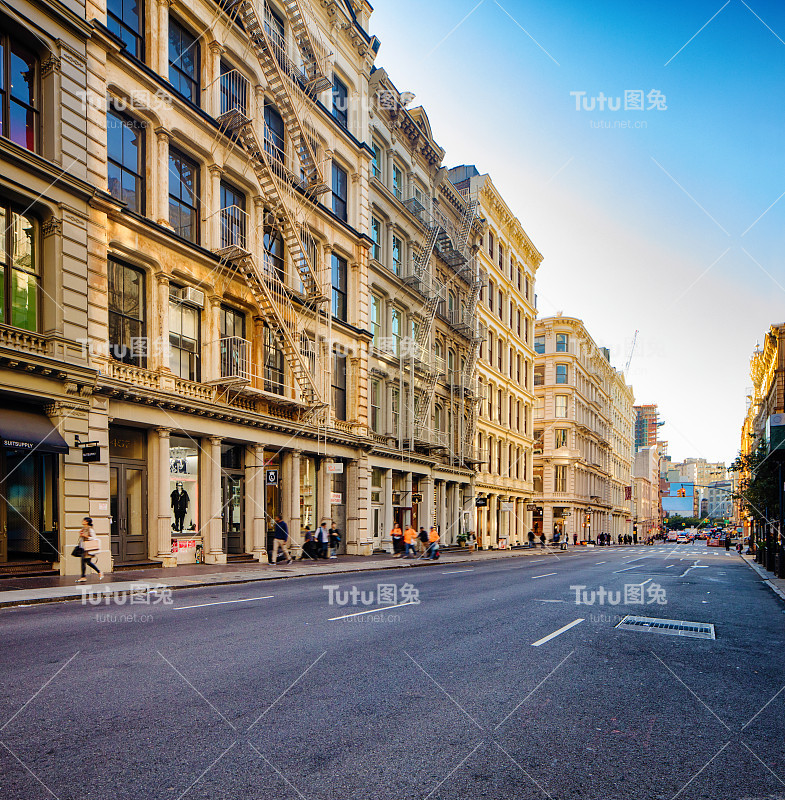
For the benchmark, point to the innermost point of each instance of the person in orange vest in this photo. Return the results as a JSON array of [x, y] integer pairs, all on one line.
[[409, 537], [396, 534], [433, 544]]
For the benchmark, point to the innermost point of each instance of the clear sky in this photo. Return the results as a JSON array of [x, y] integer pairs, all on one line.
[[661, 226]]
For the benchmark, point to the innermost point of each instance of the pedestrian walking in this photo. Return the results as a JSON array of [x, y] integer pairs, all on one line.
[[422, 541], [396, 534], [335, 540], [409, 538], [531, 539], [280, 538], [575, 540], [310, 548], [323, 538], [727, 542], [88, 547], [542, 539], [433, 544]]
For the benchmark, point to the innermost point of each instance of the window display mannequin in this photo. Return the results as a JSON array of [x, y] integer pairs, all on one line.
[[180, 501]]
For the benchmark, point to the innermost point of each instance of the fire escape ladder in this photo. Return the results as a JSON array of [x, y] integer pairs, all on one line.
[[314, 54], [466, 224], [279, 313], [283, 79]]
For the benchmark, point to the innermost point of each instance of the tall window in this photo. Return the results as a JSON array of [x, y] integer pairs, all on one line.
[[561, 373], [183, 196], [395, 330], [233, 219], [500, 405], [397, 255], [395, 409], [126, 313], [340, 101], [125, 168], [539, 344], [561, 406], [397, 181], [234, 90], [376, 237], [274, 254], [376, 318], [376, 405], [491, 291], [560, 478], [274, 141], [499, 355], [560, 438], [339, 287], [232, 323], [501, 256], [339, 385], [124, 20], [490, 243], [340, 192], [562, 343], [273, 362], [18, 94], [376, 161], [183, 61], [183, 337], [19, 269]]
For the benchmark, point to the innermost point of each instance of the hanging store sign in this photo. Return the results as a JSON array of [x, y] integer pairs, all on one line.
[[271, 477], [91, 453], [336, 468], [481, 502]]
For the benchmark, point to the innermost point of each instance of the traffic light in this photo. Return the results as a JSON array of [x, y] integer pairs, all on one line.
[[681, 492]]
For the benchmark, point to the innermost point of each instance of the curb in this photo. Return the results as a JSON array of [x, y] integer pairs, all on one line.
[[126, 592], [766, 579]]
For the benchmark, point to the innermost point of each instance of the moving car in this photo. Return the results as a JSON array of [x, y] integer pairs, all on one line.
[[682, 538]]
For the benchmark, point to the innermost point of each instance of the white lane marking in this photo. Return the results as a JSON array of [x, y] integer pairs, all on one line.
[[223, 602], [372, 611], [634, 559], [669, 566], [626, 569], [457, 571], [549, 601], [558, 632], [601, 562], [538, 561], [544, 576]]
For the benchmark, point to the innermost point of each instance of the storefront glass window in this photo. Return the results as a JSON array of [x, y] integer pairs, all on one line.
[[184, 484], [307, 493]]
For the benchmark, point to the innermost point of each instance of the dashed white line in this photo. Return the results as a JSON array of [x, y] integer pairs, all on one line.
[[601, 562], [224, 602], [626, 569], [547, 575], [558, 632], [457, 571], [372, 611]]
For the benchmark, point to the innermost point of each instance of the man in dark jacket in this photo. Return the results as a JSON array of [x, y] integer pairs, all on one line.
[[280, 538]]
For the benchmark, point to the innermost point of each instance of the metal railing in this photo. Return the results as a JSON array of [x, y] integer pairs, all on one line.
[[235, 358], [234, 228], [234, 95]]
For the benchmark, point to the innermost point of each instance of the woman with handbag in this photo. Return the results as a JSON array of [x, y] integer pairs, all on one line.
[[89, 545]]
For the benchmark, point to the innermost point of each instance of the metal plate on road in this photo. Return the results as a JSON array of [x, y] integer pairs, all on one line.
[[674, 627]]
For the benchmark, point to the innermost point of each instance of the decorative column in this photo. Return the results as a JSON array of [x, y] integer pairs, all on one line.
[[211, 359], [255, 232], [164, 502], [493, 520], [407, 496], [212, 211], [387, 521], [256, 490], [293, 493], [388, 246], [324, 479], [162, 51], [211, 510], [159, 352], [358, 542], [457, 516], [426, 488], [161, 191], [213, 93], [441, 514]]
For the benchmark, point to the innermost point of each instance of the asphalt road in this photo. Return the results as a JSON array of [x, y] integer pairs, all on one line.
[[229, 692]]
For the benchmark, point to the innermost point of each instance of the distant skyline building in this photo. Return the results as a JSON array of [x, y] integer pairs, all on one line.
[[647, 422]]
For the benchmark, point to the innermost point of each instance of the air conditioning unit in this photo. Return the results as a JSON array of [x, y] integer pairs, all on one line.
[[193, 296]]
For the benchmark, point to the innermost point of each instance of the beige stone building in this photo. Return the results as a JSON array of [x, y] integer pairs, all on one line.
[[507, 262], [423, 291], [646, 492], [583, 435], [46, 380], [228, 314]]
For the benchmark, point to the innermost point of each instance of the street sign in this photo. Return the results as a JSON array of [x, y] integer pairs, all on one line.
[[336, 498], [271, 477], [480, 502], [416, 497], [91, 453], [336, 467], [567, 514]]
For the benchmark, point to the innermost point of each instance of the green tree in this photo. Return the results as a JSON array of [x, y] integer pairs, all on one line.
[[757, 483]]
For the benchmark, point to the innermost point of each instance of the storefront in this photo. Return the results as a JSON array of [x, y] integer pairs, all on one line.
[[31, 446], [128, 495]]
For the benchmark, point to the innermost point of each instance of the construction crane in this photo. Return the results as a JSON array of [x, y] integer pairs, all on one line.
[[632, 350]]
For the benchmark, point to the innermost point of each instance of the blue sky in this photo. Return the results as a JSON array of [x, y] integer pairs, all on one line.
[[650, 227]]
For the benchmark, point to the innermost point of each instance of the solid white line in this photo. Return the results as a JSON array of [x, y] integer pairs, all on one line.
[[456, 571], [544, 576], [557, 633], [626, 569], [224, 602], [372, 611], [538, 561]]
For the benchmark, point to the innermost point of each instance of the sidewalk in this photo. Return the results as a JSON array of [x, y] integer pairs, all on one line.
[[27, 591], [777, 585]]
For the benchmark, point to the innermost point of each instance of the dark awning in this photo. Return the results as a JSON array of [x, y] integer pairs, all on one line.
[[27, 430]]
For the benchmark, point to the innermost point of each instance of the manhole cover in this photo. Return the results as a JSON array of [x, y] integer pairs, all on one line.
[[674, 627]]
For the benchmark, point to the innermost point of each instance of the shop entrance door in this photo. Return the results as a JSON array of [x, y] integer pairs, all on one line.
[[128, 509], [233, 512]]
